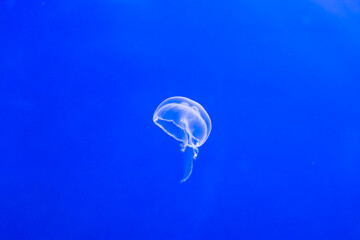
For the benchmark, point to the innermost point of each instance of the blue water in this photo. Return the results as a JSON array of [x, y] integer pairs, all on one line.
[[80, 157]]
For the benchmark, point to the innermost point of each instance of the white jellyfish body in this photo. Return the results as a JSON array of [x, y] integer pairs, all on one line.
[[186, 121]]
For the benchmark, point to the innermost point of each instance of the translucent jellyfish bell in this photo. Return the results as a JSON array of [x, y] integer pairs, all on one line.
[[186, 121]]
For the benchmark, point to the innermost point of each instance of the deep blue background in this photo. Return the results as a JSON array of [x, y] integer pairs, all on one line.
[[80, 157]]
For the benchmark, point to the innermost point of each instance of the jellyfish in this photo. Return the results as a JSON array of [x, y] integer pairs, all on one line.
[[186, 121]]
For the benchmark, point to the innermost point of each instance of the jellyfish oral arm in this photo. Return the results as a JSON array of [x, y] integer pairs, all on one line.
[[188, 163]]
